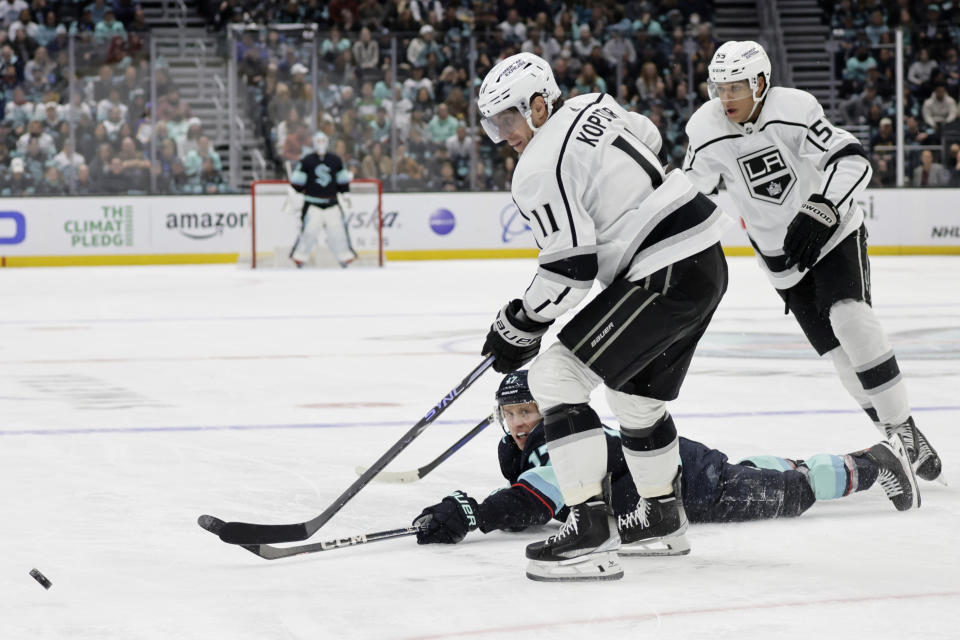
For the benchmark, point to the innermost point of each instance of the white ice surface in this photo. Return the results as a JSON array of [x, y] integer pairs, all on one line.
[[134, 399]]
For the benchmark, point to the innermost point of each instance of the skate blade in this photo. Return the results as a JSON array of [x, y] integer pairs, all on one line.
[[672, 546], [601, 566]]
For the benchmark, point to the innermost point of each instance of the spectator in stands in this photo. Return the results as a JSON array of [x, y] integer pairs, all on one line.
[[513, 29], [877, 28], [81, 185], [930, 173], [109, 27], [190, 142], [35, 132], [209, 180], [10, 11], [460, 146], [376, 164], [856, 110], [17, 183], [856, 70], [442, 125], [193, 163], [68, 161], [366, 53], [940, 108], [884, 136], [954, 163], [380, 127], [920, 72], [584, 44], [135, 166], [52, 183], [25, 23]]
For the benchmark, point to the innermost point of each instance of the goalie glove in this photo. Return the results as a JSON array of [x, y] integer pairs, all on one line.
[[810, 230], [449, 521], [513, 339]]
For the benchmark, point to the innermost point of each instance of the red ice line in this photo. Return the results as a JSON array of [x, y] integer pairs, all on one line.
[[683, 612]]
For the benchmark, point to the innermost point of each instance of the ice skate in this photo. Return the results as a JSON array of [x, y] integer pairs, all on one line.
[[926, 463], [585, 548], [895, 475], [657, 527]]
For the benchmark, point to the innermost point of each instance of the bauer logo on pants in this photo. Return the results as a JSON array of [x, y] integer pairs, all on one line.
[[767, 175]]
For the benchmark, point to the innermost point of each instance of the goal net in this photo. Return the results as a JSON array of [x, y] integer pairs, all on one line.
[[275, 224]]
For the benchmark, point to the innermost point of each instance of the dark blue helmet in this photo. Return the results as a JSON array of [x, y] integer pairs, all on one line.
[[514, 389]]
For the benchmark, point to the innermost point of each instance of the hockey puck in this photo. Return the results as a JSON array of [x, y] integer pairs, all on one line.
[[42, 579]]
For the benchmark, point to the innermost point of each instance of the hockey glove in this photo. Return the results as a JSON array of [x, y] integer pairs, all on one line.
[[810, 230], [514, 339], [449, 521]]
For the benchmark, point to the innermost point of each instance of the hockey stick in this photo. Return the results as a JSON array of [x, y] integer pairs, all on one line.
[[246, 533], [415, 474], [273, 553]]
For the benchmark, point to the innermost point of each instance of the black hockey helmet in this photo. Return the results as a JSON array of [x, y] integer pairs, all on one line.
[[514, 389]]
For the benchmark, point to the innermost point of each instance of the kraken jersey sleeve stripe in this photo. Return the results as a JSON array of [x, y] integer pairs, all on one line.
[[563, 192]]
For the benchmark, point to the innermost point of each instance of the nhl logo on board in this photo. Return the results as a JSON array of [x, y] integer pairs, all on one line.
[[769, 178]]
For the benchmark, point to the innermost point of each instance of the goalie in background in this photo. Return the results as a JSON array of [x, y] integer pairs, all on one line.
[[714, 489], [321, 177]]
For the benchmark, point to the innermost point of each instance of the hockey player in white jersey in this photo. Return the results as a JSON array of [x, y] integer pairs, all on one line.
[[600, 206], [796, 180]]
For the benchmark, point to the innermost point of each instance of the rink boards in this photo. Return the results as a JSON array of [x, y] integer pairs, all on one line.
[[101, 230]]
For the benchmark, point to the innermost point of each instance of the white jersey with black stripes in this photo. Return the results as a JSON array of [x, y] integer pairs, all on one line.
[[773, 165], [600, 207]]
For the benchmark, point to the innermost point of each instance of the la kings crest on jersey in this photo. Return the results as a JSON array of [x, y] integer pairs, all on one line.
[[767, 175], [770, 167]]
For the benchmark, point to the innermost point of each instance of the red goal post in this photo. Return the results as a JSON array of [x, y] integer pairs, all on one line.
[[274, 227]]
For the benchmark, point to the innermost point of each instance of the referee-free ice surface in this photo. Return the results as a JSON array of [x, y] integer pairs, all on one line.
[[134, 399]]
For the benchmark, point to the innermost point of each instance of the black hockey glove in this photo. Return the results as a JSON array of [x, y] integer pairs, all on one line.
[[514, 339], [809, 232], [449, 521]]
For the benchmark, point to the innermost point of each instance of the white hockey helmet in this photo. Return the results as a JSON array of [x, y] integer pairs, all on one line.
[[320, 143], [512, 84], [735, 61]]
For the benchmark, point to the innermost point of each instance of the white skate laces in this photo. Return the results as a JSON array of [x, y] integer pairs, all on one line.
[[570, 527], [891, 486], [639, 516]]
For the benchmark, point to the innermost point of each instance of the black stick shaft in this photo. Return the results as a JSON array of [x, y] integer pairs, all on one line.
[[246, 533], [427, 468]]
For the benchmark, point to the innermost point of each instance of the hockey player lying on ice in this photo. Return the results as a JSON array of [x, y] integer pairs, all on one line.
[[714, 490]]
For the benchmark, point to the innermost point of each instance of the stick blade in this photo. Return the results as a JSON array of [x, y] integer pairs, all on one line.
[[211, 524], [401, 477], [244, 533]]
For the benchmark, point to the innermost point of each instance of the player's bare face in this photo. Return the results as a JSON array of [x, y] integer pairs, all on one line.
[[737, 100], [520, 420]]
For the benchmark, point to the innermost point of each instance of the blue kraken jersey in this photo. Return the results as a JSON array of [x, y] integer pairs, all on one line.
[[320, 179], [714, 490]]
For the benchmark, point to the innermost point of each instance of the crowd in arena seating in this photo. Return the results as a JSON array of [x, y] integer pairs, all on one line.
[[413, 131], [95, 137], [590, 45], [866, 66]]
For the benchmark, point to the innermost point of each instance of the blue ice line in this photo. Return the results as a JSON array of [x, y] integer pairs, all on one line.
[[399, 423]]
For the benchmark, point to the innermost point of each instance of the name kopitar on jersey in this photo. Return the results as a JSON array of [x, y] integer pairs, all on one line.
[[767, 175], [594, 124]]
